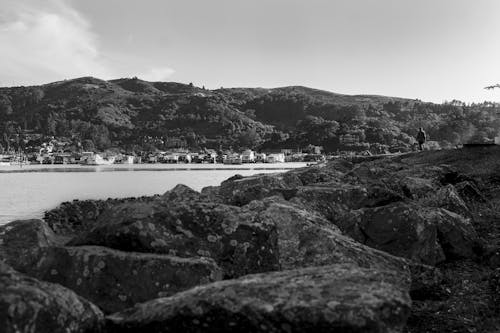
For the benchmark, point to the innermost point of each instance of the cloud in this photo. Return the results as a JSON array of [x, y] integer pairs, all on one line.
[[44, 41], [157, 74]]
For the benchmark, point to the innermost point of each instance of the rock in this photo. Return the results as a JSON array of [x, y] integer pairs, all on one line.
[[371, 172], [424, 234], [234, 238], [447, 197], [494, 257], [456, 235], [29, 305], [115, 280], [453, 177], [340, 165], [400, 229], [415, 187], [494, 284], [307, 239], [76, 216], [343, 298], [241, 191], [181, 192], [334, 199], [71, 218], [322, 173], [21, 241], [381, 195], [330, 198], [426, 282], [470, 193], [211, 193]]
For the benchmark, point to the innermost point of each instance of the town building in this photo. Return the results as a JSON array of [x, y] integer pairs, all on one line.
[[248, 156], [275, 158]]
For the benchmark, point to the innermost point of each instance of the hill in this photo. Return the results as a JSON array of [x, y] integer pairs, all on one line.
[[133, 114]]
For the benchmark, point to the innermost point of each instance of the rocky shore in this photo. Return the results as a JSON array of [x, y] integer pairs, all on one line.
[[407, 243]]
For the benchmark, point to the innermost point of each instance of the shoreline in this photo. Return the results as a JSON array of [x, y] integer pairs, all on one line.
[[150, 167]]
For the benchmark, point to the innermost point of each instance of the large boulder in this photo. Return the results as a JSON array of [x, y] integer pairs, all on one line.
[[426, 235], [241, 190], [211, 193], [76, 216], [416, 187], [372, 172], [456, 235], [307, 239], [470, 193], [115, 280], [400, 229], [322, 173], [181, 193], [233, 237], [335, 198], [71, 218], [328, 198], [340, 298], [29, 305], [22, 241], [448, 197]]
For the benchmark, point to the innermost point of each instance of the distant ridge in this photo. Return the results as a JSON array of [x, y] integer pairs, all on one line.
[[133, 114]]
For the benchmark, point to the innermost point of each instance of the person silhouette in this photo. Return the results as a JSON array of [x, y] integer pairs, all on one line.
[[421, 138]]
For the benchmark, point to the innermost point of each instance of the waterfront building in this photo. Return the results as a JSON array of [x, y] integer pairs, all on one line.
[[233, 159], [260, 158], [185, 158], [63, 158], [170, 158], [275, 158], [96, 159], [248, 156], [127, 159]]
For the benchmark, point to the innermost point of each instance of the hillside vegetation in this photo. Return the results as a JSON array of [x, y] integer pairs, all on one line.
[[133, 115]]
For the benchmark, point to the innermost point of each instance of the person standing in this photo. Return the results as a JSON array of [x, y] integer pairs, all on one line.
[[421, 138]]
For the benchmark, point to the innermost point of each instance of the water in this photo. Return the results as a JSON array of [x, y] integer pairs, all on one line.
[[29, 191]]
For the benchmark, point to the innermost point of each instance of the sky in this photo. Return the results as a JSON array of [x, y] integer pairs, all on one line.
[[433, 50]]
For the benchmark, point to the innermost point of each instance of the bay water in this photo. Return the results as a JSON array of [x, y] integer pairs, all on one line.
[[28, 191]]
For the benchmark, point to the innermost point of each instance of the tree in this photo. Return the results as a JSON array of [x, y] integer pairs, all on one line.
[[492, 87], [88, 145], [51, 124], [6, 140], [250, 113], [249, 138], [5, 106], [62, 128]]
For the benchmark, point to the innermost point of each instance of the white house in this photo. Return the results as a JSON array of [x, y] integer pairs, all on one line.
[[97, 159], [275, 158], [248, 156], [128, 159], [170, 158], [260, 158]]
